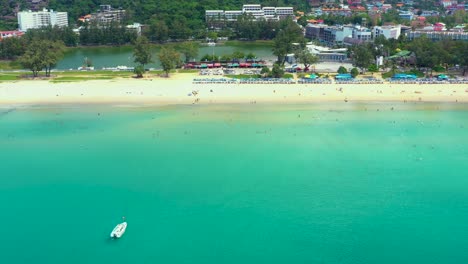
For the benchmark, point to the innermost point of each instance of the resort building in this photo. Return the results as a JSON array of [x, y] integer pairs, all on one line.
[[28, 19], [213, 17], [407, 15], [389, 32], [107, 14], [338, 35], [327, 54], [438, 35]]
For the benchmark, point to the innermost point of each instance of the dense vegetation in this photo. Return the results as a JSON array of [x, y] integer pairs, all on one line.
[[426, 55], [181, 13]]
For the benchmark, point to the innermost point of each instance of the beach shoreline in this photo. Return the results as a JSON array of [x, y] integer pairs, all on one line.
[[179, 90]]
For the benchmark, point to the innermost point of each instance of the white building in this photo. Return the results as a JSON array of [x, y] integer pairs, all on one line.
[[362, 34], [28, 20], [389, 32], [257, 11], [284, 12]]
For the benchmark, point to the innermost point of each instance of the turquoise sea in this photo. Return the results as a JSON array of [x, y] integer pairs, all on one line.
[[345, 183]]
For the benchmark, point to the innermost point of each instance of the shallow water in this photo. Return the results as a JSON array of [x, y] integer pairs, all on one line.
[[348, 183]]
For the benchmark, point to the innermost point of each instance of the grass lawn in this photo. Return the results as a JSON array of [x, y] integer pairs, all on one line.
[[9, 65]]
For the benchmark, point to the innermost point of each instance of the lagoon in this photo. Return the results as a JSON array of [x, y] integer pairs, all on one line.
[[115, 56]]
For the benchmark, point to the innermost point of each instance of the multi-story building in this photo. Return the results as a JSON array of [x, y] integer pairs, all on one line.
[[107, 14], [315, 31], [335, 35], [407, 15], [362, 34], [29, 20], [389, 32], [213, 17], [438, 35]]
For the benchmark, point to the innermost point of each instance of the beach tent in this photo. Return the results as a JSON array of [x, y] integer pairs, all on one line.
[[313, 76], [442, 77], [343, 76], [404, 76]]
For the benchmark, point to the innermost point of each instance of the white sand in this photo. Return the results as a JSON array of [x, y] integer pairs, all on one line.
[[176, 90]]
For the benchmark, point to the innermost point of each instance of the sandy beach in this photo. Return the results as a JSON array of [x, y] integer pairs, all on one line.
[[179, 89]]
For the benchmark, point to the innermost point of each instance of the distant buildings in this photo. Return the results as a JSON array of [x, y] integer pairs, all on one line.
[[10, 34], [389, 32], [338, 35], [213, 17], [105, 15], [406, 15], [29, 20], [438, 35]]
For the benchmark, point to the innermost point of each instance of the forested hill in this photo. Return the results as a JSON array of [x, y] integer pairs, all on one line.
[[188, 12]]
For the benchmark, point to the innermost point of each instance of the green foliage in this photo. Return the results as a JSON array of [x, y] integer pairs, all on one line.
[[438, 68], [373, 68], [142, 51], [169, 59], [342, 70], [139, 71], [265, 71], [277, 71], [289, 34], [250, 56], [305, 57], [189, 50], [42, 54], [354, 72], [209, 58], [64, 34], [106, 34], [362, 56], [238, 55], [11, 48]]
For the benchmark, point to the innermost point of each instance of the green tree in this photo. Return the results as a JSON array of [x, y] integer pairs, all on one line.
[[354, 72], [169, 59], [342, 70], [142, 53], [42, 54], [53, 52], [307, 58], [190, 50], [362, 56], [238, 55], [289, 34], [11, 48], [277, 71], [265, 71], [139, 71], [250, 56], [373, 68]]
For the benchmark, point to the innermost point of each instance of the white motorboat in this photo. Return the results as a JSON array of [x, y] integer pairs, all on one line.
[[119, 230]]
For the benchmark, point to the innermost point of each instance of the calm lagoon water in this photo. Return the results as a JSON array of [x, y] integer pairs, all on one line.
[[115, 56], [235, 184]]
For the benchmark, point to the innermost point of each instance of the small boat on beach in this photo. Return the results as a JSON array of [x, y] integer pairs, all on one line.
[[119, 230]]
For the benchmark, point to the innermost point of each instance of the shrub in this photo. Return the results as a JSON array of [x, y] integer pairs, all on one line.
[[354, 72], [342, 70]]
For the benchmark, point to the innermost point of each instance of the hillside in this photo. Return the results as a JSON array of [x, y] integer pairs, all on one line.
[[189, 12]]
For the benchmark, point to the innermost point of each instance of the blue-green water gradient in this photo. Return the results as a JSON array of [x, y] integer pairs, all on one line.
[[348, 183]]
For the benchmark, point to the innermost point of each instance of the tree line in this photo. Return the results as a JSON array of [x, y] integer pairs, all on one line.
[[425, 54]]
